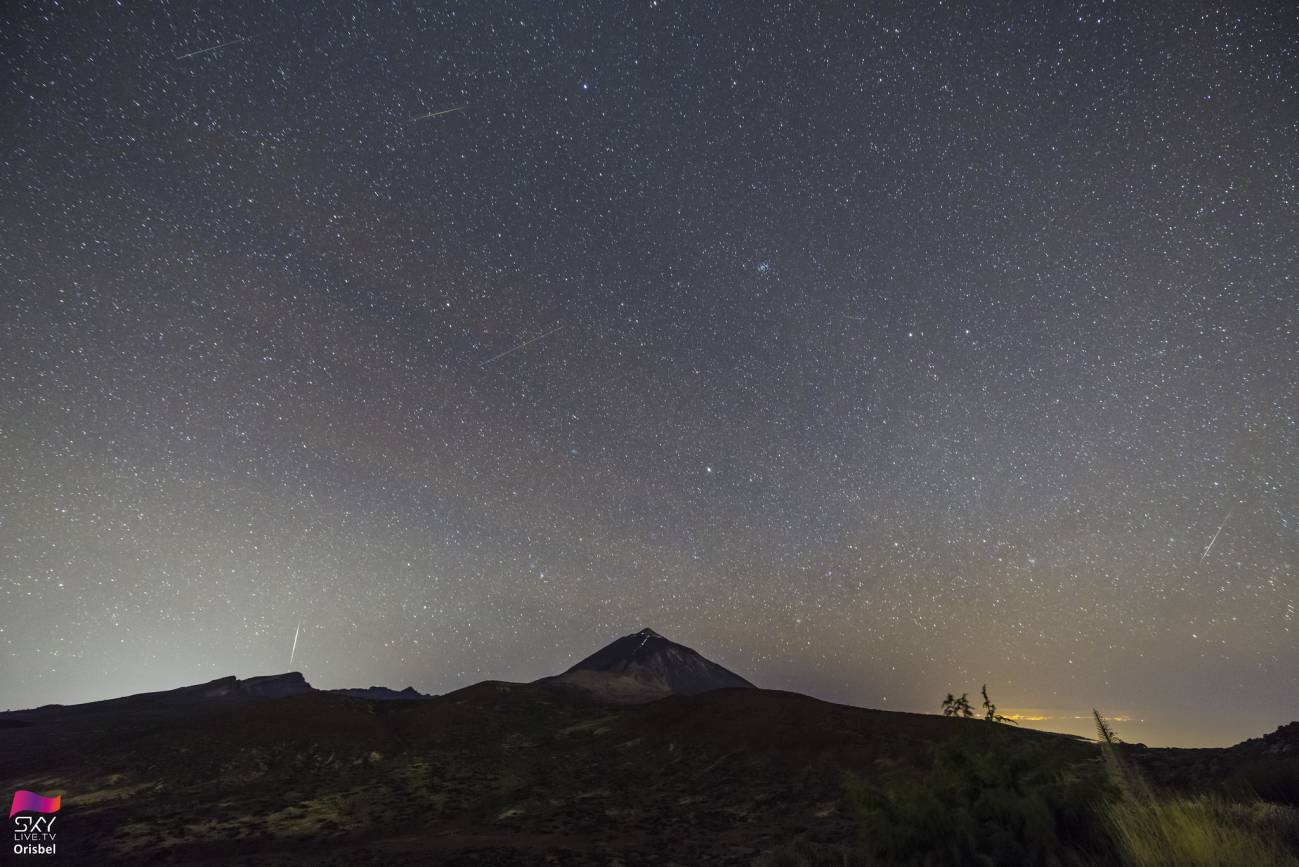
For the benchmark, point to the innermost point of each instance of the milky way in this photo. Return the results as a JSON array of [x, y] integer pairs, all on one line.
[[885, 350]]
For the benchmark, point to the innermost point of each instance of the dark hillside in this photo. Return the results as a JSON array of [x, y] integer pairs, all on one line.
[[489, 773]]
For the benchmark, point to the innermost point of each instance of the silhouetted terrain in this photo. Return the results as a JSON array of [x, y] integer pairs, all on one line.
[[501, 773], [383, 693], [512, 772]]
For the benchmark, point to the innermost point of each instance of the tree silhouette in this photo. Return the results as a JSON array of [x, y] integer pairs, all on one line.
[[958, 707], [961, 708], [990, 710], [1103, 730]]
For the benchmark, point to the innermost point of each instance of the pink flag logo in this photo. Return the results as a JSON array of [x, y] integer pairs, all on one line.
[[30, 802]]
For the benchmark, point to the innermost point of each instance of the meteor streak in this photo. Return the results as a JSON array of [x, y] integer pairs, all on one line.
[[1209, 547], [215, 47], [437, 113], [295, 642], [520, 346]]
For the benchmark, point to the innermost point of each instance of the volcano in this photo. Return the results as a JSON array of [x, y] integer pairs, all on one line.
[[643, 667]]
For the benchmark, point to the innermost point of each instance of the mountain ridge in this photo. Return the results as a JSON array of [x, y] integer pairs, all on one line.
[[642, 667]]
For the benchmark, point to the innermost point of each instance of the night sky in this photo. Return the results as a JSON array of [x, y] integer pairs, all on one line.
[[875, 351]]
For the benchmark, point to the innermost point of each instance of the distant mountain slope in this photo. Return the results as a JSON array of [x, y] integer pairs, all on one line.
[[223, 689], [1283, 741], [643, 667], [382, 693], [275, 685]]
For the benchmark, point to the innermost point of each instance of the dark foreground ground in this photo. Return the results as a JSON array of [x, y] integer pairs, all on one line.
[[501, 774]]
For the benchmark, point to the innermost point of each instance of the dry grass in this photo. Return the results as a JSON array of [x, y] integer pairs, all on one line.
[[1205, 830], [1154, 830]]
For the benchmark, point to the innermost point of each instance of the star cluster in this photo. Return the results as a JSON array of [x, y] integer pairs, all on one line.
[[874, 350]]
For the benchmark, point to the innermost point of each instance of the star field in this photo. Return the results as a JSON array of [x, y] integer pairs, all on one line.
[[875, 351]]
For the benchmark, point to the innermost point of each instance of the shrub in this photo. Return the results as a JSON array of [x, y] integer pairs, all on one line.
[[984, 800]]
